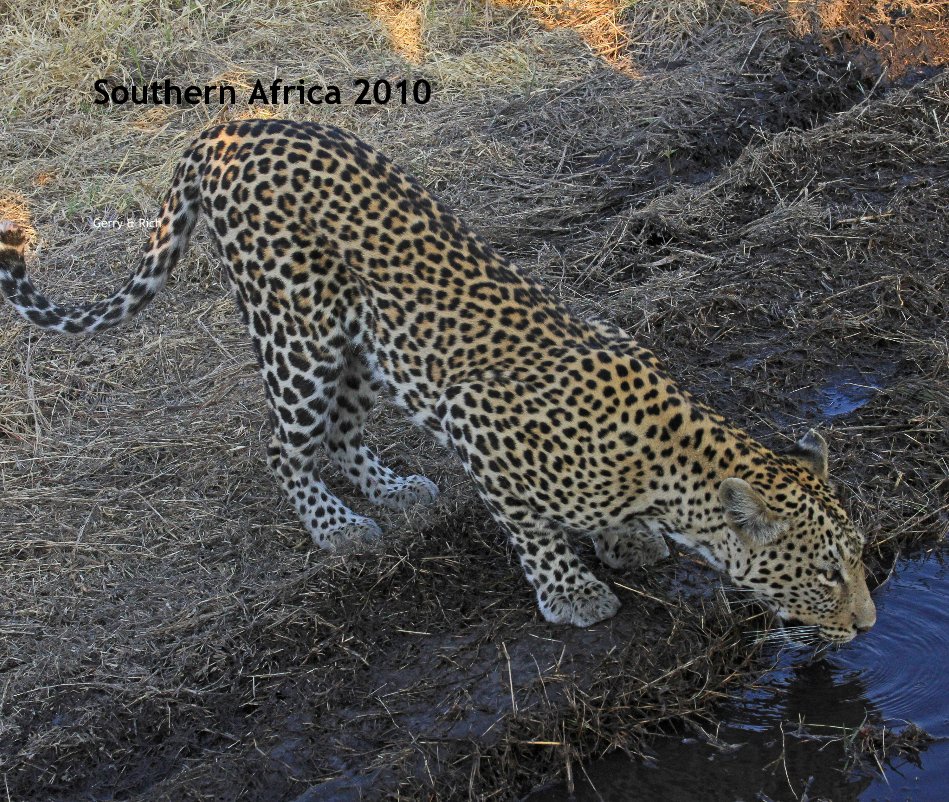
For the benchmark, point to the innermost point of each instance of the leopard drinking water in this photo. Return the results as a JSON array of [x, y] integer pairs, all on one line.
[[352, 279]]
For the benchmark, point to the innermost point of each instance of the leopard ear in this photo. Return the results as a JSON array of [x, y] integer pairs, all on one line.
[[747, 512], [811, 450]]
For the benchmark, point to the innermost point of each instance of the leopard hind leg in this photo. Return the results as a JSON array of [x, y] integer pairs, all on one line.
[[356, 391], [301, 380]]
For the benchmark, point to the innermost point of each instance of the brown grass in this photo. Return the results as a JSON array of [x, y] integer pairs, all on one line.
[[905, 36], [763, 213]]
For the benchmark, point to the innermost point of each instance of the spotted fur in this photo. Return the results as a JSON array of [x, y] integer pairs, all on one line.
[[352, 278]]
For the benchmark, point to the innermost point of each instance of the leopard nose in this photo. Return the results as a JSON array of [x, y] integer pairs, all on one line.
[[865, 617]]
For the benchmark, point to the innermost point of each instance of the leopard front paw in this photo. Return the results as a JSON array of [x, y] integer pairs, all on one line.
[[631, 549], [581, 605]]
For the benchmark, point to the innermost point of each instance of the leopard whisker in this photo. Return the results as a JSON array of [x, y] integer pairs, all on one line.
[[802, 635]]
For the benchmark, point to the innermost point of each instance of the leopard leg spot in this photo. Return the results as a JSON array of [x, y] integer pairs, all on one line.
[[331, 524]]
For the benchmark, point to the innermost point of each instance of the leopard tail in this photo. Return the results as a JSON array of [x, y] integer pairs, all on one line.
[[167, 243]]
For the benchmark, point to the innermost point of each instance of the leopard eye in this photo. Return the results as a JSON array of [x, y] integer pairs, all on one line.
[[833, 576]]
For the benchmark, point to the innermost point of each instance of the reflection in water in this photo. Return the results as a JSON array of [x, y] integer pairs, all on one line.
[[780, 732]]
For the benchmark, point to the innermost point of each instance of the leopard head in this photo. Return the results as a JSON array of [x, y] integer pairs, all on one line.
[[797, 549]]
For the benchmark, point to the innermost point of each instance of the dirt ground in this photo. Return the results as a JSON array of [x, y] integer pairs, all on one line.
[[756, 191]]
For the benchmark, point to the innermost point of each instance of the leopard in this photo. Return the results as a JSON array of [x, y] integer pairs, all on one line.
[[354, 280]]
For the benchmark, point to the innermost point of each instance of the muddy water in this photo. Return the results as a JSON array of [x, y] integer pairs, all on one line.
[[782, 740]]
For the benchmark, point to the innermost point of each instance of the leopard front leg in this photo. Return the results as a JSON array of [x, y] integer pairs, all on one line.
[[631, 547], [567, 591]]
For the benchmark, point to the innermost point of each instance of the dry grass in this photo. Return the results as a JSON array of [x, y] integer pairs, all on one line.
[[762, 213]]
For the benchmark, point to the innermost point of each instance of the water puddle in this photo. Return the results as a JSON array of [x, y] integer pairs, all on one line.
[[844, 392], [794, 735], [841, 392]]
